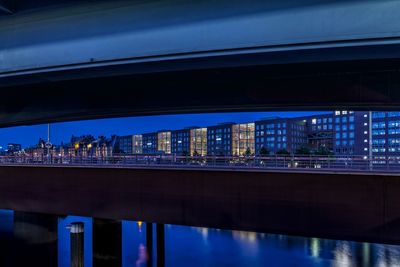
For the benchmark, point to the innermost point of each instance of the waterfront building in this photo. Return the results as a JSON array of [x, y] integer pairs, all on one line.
[[164, 142], [320, 132], [373, 135], [157, 142], [352, 133], [137, 144], [149, 143], [124, 145], [13, 148], [198, 141], [82, 145], [219, 139], [180, 142], [103, 147], [189, 141], [243, 139], [280, 135], [385, 136]]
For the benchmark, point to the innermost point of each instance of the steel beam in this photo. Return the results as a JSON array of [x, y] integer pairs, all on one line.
[[6, 7]]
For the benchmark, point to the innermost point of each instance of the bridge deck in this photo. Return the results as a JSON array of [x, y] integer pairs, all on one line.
[[359, 206]]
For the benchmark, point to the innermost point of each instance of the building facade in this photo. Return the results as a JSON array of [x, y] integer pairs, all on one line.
[[243, 139], [137, 144], [219, 139], [320, 132], [164, 142], [198, 141], [149, 143], [385, 137], [180, 142], [124, 145], [156, 143], [13, 148], [280, 135], [374, 135]]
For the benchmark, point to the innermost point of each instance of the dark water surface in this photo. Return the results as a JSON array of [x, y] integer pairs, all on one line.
[[198, 247]]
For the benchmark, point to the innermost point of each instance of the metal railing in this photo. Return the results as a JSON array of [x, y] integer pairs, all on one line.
[[309, 162]]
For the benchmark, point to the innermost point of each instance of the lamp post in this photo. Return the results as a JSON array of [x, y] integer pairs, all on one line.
[[48, 143]]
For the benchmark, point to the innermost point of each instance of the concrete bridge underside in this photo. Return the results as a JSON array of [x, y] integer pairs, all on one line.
[[69, 60], [363, 207]]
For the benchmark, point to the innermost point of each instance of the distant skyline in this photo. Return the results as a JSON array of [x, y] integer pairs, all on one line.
[[62, 132]]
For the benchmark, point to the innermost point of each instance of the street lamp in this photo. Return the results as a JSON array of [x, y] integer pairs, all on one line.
[[48, 144]]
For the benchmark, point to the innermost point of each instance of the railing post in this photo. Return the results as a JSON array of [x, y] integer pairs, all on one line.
[[387, 163]]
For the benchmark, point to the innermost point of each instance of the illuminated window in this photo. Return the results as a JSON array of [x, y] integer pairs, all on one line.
[[243, 138], [198, 142], [164, 142]]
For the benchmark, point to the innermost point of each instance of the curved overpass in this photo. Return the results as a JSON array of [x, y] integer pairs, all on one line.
[[80, 59]]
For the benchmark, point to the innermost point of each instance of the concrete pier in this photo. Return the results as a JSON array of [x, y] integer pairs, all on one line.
[[149, 243], [35, 239], [107, 243], [77, 244]]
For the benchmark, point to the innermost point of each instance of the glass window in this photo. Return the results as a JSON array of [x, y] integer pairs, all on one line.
[[394, 114], [377, 125], [377, 115]]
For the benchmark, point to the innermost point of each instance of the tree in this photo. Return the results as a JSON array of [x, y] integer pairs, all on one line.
[[323, 151], [283, 152], [263, 152], [303, 151], [247, 152]]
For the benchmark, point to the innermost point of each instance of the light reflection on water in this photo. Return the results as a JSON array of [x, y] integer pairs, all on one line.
[[198, 247]]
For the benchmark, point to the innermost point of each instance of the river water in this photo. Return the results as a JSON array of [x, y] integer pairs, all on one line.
[[204, 247]]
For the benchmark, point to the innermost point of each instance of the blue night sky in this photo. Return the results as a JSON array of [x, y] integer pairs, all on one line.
[[29, 135]]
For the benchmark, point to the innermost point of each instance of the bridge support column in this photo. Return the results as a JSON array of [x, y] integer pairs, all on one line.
[[6, 237], [160, 244], [77, 244], [107, 243], [149, 244], [35, 239], [160, 231]]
